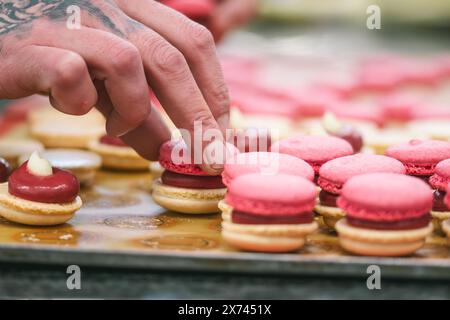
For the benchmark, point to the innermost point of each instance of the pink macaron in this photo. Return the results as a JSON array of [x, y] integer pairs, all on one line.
[[387, 214], [263, 195], [268, 163], [316, 150], [420, 157], [268, 213], [386, 201], [357, 111], [334, 173], [401, 106]]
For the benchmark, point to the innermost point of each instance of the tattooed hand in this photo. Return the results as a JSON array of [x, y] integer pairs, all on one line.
[[121, 48]]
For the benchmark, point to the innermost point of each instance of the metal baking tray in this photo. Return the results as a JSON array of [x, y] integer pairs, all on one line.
[[119, 226]]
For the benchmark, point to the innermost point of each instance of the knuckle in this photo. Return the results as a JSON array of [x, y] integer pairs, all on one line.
[[201, 37], [126, 59], [137, 116], [70, 69], [170, 61], [204, 117]]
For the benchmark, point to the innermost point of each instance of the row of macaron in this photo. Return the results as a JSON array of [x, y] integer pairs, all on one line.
[[42, 189], [389, 80], [328, 161], [106, 152]]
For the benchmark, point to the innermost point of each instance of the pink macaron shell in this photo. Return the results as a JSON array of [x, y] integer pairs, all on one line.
[[251, 101], [268, 163], [420, 156], [385, 197], [313, 102], [380, 78], [334, 173], [315, 150], [401, 106], [355, 111], [421, 72], [441, 177], [271, 195], [431, 112], [184, 167]]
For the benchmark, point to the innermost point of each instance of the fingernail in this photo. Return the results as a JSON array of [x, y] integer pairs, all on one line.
[[215, 156]]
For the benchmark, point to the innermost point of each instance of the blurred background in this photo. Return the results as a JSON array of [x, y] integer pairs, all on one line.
[[299, 59]]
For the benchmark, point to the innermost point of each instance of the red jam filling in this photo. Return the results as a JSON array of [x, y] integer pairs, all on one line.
[[5, 170], [438, 201], [59, 187], [408, 224], [112, 141], [328, 199], [190, 181], [248, 218]]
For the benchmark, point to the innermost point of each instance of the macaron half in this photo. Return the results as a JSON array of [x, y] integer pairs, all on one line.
[[334, 173], [267, 163], [316, 150], [387, 214], [420, 157], [268, 213], [184, 187]]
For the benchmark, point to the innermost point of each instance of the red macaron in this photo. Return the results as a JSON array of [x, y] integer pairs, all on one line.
[[266, 163], [420, 157], [175, 157], [180, 172], [316, 150]]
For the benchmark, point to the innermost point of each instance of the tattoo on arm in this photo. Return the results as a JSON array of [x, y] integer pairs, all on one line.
[[15, 14]]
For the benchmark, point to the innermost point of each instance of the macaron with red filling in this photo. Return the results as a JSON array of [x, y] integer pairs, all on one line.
[[268, 163], [184, 187], [420, 157], [268, 213], [439, 182], [38, 194], [334, 174], [117, 155], [316, 150], [387, 214]]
